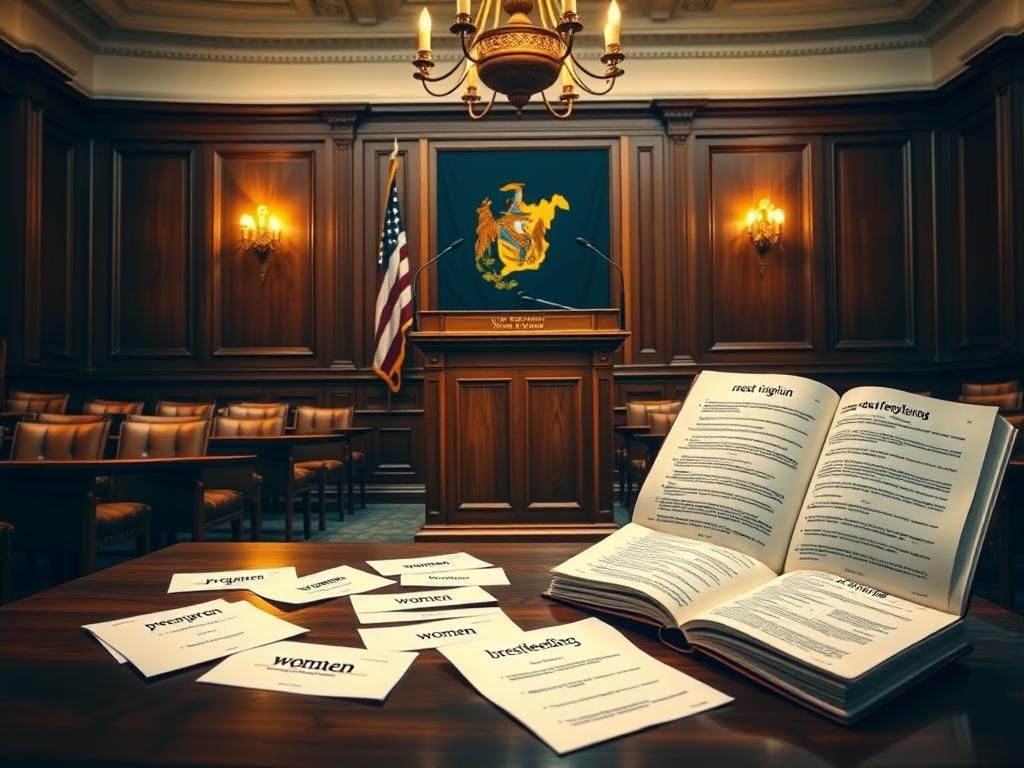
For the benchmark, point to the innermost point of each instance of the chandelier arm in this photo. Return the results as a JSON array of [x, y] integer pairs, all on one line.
[[610, 75], [473, 115], [428, 79], [559, 115], [466, 49], [441, 94], [570, 37]]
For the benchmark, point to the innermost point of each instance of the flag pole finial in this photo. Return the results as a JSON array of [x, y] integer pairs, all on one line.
[[394, 149]]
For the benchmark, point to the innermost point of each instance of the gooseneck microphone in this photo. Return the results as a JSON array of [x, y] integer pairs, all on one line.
[[584, 243], [416, 276], [525, 297]]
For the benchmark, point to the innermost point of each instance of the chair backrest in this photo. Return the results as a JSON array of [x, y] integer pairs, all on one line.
[[662, 422], [1005, 401], [69, 418], [226, 427], [320, 421], [256, 411], [37, 402], [168, 408], [112, 406], [146, 418], [638, 411], [59, 442], [989, 388], [168, 440]]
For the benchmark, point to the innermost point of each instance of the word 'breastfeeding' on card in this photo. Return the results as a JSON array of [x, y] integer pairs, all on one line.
[[156, 643], [204, 582], [579, 684], [434, 634], [409, 601], [314, 670], [482, 577], [334, 582], [456, 561]]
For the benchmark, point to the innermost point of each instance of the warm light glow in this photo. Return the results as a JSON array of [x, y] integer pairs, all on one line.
[[764, 225], [424, 37], [461, 6], [471, 78], [566, 75], [613, 25], [569, 6], [261, 235]]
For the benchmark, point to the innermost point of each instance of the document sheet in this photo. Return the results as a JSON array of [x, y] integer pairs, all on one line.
[[333, 582], [434, 634], [398, 617], [481, 577], [157, 643], [204, 582], [456, 561], [314, 670], [409, 601], [579, 684]]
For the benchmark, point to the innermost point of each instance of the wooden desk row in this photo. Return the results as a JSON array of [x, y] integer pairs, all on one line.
[[67, 702]]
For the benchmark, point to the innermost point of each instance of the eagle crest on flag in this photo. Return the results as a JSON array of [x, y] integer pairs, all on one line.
[[517, 239]]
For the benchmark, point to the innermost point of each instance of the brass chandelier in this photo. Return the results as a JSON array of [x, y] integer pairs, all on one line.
[[518, 59]]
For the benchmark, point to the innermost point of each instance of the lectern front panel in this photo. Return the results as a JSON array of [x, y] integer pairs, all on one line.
[[553, 454], [484, 448]]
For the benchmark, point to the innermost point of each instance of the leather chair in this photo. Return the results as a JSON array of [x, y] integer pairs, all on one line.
[[988, 388], [146, 418], [6, 532], [113, 406], [326, 461], [633, 458], [198, 410], [37, 402], [281, 479], [176, 504], [256, 411], [33, 515], [70, 418], [1004, 401]]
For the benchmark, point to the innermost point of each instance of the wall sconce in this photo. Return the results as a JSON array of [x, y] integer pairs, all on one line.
[[764, 225], [260, 236]]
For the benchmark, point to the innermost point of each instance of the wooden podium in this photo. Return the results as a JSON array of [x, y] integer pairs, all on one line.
[[518, 409]]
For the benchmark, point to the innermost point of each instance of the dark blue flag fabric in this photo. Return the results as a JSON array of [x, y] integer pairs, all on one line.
[[521, 212]]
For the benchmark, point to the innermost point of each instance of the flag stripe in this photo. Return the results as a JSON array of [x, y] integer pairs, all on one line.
[[393, 308]]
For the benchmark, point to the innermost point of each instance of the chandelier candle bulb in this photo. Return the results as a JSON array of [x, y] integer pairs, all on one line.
[[613, 25], [569, 6], [424, 30], [471, 78], [461, 7]]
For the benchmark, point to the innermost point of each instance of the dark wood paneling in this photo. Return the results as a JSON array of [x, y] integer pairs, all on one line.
[[276, 317], [652, 302], [750, 312], [554, 441], [483, 466], [152, 303], [56, 273], [873, 260]]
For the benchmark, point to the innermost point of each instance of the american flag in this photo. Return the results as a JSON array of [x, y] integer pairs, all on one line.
[[393, 314]]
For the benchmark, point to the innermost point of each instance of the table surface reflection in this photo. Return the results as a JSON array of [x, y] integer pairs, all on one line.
[[65, 701]]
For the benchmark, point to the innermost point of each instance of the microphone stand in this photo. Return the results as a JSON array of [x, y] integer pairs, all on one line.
[[525, 297], [584, 243], [416, 277]]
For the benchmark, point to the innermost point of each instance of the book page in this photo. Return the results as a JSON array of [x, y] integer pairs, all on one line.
[[682, 576], [824, 621], [890, 497], [735, 466]]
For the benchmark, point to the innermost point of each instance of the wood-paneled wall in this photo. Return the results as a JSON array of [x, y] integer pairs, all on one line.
[[901, 259]]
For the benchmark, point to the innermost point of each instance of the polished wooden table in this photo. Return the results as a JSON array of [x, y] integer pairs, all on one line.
[[66, 701]]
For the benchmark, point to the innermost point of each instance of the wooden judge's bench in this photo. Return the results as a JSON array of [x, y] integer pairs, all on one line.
[[518, 408]]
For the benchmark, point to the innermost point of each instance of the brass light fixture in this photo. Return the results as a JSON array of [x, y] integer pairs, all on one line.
[[261, 236], [518, 59], [764, 225]]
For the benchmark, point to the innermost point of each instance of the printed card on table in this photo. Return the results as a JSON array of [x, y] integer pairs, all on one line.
[[434, 634], [410, 601], [481, 577], [203, 582], [456, 561], [323, 585]]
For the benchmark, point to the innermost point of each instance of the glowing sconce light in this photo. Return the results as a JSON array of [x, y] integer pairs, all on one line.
[[764, 225], [261, 236]]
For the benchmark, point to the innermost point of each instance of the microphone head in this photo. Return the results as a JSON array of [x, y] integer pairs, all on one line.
[[580, 240], [521, 295], [457, 243]]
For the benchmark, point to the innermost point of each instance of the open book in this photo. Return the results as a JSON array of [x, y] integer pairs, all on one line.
[[823, 545]]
